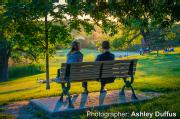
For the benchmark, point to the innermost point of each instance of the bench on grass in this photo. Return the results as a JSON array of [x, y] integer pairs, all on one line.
[[94, 71]]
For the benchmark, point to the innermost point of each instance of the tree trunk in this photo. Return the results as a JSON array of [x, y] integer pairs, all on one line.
[[47, 50], [157, 52], [145, 36], [4, 58], [157, 49]]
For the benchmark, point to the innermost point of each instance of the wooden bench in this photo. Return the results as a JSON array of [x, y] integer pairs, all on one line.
[[94, 71]]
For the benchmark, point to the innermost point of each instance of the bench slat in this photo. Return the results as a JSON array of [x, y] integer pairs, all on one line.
[[87, 67], [86, 74], [110, 72], [85, 63], [114, 73], [116, 70], [116, 61], [107, 66], [85, 70], [116, 76], [83, 80], [121, 65]]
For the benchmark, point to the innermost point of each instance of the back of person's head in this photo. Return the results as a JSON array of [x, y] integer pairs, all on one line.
[[75, 46], [105, 45]]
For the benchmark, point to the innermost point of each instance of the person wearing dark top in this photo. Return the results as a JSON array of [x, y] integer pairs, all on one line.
[[105, 56]]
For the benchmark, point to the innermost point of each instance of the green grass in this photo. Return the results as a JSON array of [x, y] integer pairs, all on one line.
[[159, 74], [3, 116]]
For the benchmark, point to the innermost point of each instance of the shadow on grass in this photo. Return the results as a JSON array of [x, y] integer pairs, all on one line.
[[19, 90], [159, 73]]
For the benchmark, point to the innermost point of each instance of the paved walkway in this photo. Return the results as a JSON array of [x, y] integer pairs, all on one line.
[[82, 101]]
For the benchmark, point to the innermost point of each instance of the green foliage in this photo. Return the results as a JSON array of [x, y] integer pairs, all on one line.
[[88, 28], [133, 16], [170, 36], [24, 30], [119, 43], [125, 38], [109, 28], [147, 17], [2, 109], [25, 70], [58, 34], [176, 30], [163, 37]]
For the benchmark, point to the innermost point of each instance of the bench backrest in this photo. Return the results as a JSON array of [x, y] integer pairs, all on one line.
[[89, 71], [119, 68], [81, 71]]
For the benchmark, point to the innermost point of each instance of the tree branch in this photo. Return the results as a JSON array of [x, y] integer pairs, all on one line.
[[131, 40], [28, 52]]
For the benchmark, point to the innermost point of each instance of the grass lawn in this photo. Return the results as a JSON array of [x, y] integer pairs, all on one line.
[[159, 74]]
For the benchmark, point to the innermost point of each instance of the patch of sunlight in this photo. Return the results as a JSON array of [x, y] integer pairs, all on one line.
[[89, 57]]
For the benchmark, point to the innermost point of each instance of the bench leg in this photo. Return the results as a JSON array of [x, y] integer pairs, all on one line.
[[65, 91], [70, 102], [122, 91], [133, 93], [128, 85], [61, 97], [69, 97]]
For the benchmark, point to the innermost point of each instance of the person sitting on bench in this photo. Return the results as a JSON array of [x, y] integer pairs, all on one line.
[[105, 56], [74, 55]]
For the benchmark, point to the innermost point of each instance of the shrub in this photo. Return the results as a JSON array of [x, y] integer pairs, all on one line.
[[25, 70]]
